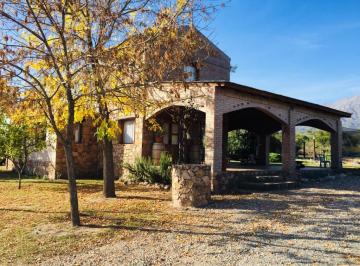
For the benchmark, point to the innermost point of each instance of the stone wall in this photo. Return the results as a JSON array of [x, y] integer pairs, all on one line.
[[127, 153], [123, 153], [191, 185]]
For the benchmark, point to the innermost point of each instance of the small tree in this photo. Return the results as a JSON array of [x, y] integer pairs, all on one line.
[[301, 140], [323, 138], [18, 142], [241, 143]]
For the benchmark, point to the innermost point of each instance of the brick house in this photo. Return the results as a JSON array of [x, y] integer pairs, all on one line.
[[217, 107]]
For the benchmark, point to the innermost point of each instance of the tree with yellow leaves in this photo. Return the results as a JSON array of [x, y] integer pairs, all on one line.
[[39, 59], [129, 49], [70, 59]]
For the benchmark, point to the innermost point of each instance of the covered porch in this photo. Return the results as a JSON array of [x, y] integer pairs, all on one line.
[[226, 106], [262, 114]]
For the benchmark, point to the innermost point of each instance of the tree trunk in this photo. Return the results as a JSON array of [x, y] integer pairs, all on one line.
[[74, 208], [304, 144], [19, 178], [108, 169]]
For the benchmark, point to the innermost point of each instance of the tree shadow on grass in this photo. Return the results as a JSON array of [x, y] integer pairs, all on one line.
[[31, 211], [250, 239], [147, 198]]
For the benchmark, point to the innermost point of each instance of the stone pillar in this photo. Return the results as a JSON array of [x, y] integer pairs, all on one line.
[[263, 149], [336, 146], [191, 186], [289, 146], [214, 143]]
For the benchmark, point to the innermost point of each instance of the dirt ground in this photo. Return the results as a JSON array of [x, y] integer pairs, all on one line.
[[316, 224]]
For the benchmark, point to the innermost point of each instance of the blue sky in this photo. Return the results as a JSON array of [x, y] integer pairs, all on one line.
[[308, 49]]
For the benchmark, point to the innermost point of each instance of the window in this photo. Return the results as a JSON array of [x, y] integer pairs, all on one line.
[[191, 73], [166, 128], [174, 134], [128, 131], [78, 133]]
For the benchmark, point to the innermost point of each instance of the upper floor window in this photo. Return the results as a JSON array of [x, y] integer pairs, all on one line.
[[191, 73]]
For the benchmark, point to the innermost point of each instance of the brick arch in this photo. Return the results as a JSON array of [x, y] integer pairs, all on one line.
[[229, 103], [316, 121], [273, 112], [163, 108]]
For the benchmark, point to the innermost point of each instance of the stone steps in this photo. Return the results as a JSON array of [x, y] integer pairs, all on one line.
[[265, 178], [256, 181], [266, 186], [267, 182]]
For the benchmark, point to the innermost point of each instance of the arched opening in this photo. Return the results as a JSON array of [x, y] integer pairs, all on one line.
[[313, 144], [247, 134], [316, 123], [177, 130]]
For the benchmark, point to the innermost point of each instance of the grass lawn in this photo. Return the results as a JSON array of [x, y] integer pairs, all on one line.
[[35, 220], [349, 163]]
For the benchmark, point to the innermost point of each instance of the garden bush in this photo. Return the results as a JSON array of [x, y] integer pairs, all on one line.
[[274, 157], [165, 163], [144, 170]]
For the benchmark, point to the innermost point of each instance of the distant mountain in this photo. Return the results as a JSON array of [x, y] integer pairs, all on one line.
[[350, 105]]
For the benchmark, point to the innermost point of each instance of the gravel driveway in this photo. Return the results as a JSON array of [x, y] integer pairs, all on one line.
[[317, 224]]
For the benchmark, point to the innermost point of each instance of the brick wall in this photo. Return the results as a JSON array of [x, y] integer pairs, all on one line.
[[87, 155], [215, 67]]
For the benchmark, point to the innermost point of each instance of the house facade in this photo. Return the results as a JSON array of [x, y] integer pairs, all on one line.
[[210, 106]]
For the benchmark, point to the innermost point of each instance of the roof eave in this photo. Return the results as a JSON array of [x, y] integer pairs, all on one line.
[[251, 90], [283, 98]]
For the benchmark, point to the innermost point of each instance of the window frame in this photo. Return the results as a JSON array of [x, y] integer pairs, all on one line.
[[194, 73], [121, 122]]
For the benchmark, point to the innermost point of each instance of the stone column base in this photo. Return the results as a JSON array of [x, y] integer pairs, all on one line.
[[191, 186]]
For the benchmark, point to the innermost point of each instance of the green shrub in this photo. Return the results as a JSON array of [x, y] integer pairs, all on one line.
[[165, 163], [274, 157], [144, 170], [141, 170]]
